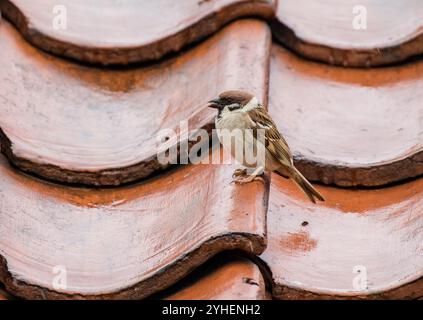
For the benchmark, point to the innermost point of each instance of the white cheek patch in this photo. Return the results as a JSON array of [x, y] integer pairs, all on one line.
[[252, 104], [226, 109]]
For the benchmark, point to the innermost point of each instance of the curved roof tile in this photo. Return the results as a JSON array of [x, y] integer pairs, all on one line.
[[121, 33]]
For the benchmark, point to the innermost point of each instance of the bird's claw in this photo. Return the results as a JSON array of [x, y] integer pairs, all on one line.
[[239, 173], [248, 179]]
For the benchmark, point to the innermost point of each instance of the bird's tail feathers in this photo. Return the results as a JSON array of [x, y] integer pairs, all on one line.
[[304, 185]]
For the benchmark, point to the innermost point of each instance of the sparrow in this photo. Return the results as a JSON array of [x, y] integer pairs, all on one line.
[[238, 110]]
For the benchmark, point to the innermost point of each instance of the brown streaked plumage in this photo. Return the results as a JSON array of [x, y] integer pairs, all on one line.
[[241, 110]]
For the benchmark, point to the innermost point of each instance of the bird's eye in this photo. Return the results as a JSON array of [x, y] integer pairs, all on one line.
[[233, 106]]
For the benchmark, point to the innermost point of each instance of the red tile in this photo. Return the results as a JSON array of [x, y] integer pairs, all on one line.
[[349, 127], [332, 31], [4, 295], [120, 243], [225, 278], [75, 124], [105, 32], [316, 251]]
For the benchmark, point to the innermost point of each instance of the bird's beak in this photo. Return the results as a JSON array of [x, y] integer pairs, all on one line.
[[215, 103]]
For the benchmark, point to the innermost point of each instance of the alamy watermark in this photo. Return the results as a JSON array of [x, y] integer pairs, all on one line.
[[60, 17], [360, 281], [60, 278], [359, 21]]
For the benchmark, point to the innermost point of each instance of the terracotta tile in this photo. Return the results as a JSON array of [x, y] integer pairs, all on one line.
[[225, 277], [4, 295], [268, 295], [324, 30], [77, 124], [123, 33], [313, 250], [349, 126], [128, 242]]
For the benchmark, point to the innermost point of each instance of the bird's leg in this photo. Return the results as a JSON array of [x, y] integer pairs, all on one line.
[[239, 173], [252, 177]]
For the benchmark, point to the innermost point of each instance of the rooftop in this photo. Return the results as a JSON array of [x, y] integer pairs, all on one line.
[[86, 89]]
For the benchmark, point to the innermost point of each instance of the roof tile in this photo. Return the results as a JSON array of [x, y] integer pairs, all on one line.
[[358, 244], [128, 242], [77, 124], [224, 278], [334, 31], [4, 295], [349, 127], [124, 32]]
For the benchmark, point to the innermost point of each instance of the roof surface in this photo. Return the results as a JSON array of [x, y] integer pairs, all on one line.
[[82, 188]]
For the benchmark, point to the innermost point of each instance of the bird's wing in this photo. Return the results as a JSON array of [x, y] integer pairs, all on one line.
[[275, 143]]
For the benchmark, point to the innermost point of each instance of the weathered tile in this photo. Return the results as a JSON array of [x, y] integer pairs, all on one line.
[[128, 242], [77, 124], [225, 277], [349, 126], [317, 251], [4, 295], [120, 32], [332, 31]]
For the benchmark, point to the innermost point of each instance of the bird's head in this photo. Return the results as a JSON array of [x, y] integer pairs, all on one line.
[[229, 101]]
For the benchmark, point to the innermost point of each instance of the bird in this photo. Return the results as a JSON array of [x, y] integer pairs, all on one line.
[[242, 112]]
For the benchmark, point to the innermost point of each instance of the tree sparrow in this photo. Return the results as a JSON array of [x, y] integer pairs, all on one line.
[[242, 111]]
